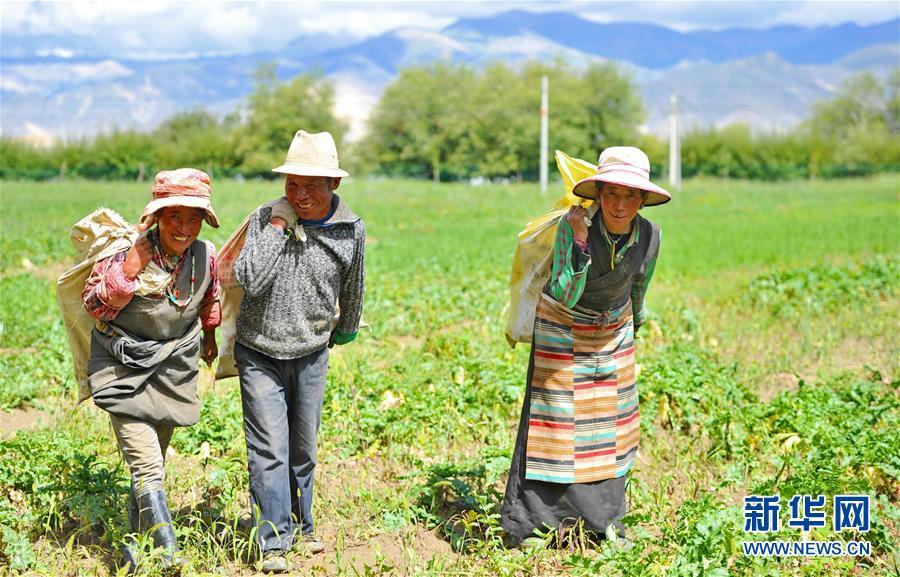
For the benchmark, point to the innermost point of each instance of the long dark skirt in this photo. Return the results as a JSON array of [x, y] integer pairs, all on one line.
[[531, 505]]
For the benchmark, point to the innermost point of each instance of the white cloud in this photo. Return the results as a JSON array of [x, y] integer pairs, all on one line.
[[8, 84], [824, 13], [715, 14], [76, 17], [38, 135], [58, 52], [137, 29], [58, 73], [363, 22], [236, 24]]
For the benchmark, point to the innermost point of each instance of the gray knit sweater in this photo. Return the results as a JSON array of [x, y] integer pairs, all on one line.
[[291, 286]]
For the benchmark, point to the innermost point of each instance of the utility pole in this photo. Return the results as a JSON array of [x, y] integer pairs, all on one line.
[[674, 145], [544, 132]]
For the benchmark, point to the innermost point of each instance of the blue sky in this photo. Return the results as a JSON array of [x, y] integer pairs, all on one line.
[[148, 29]]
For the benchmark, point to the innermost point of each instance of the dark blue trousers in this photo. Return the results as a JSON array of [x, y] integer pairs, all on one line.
[[282, 404]]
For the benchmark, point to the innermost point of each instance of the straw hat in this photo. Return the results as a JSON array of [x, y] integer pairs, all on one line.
[[312, 155], [181, 187], [627, 166]]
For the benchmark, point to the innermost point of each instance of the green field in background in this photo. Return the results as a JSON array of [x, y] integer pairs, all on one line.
[[771, 363]]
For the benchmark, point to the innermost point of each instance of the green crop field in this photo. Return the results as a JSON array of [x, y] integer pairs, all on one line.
[[770, 366]]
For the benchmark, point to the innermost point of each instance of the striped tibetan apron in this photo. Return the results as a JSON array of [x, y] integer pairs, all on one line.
[[584, 423]]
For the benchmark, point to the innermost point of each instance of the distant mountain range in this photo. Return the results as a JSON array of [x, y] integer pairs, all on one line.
[[56, 86], [655, 47]]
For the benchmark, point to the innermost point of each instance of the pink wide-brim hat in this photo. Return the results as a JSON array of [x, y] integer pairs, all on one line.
[[182, 187], [626, 166]]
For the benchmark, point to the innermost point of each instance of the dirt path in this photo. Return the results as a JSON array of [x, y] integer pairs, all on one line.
[[26, 419], [50, 271], [402, 550]]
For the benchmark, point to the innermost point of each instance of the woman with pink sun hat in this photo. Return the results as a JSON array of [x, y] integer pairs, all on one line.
[[580, 424]]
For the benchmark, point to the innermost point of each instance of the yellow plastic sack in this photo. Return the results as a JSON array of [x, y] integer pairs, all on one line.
[[534, 251], [99, 235]]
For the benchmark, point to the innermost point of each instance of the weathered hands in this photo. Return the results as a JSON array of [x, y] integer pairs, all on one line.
[[210, 350], [283, 214], [140, 254], [576, 218]]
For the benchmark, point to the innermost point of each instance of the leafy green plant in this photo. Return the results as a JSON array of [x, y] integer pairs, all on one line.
[[221, 423], [15, 546], [60, 479], [848, 423], [687, 389], [821, 288], [88, 491], [707, 535], [34, 353]]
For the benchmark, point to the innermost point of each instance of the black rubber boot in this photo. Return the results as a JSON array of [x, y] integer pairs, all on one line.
[[154, 515]]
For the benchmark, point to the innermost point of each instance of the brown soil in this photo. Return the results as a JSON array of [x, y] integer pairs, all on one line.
[[463, 326], [399, 550], [51, 271], [855, 353], [407, 341], [15, 351], [26, 419], [776, 383]]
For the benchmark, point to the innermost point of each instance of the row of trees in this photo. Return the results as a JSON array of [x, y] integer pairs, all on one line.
[[446, 121], [856, 133], [249, 141], [451, 121]]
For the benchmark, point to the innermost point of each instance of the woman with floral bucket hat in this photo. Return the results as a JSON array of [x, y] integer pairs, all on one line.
[[156, 307], [580, 423]]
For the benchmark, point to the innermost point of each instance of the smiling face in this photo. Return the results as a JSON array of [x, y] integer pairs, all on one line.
[[178, 228], [310, 195], [619, 205]]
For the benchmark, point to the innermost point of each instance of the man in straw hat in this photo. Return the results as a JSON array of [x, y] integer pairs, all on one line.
[[303, 254]]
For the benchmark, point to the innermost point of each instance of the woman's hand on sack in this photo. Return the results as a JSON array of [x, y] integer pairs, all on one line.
[[138, 255], [283, 214], [576, 218], [210, 348]]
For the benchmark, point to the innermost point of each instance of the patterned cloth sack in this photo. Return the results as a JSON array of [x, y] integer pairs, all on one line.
[[230, 297], [99, 235]]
